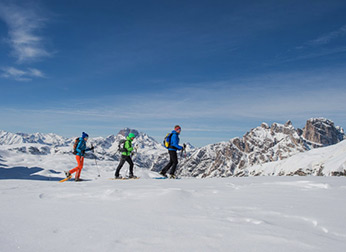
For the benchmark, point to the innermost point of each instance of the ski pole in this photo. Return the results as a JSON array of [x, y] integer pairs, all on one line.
[[183, 151], [133, 154], [98, 171]]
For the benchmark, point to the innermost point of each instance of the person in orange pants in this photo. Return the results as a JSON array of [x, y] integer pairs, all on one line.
[[78, 168], [80, 152]]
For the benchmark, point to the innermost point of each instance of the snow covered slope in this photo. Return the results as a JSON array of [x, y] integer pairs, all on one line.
[[253, 214], [327, 161]]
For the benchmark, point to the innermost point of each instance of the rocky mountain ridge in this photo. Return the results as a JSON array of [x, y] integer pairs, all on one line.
[[260, 145]]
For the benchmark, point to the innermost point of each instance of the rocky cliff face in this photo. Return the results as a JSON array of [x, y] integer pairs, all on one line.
[[260, 145], [322, 132]]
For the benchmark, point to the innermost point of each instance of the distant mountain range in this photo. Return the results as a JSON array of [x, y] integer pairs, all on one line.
[[261, 145], [105, 148]]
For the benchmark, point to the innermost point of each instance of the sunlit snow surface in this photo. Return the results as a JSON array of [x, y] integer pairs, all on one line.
[[220, 214]]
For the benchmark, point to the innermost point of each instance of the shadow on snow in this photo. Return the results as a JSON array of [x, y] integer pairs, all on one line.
[[26, 173]]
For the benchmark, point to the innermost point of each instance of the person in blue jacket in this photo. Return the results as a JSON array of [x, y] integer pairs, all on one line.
[[80, 149], [172, 150]]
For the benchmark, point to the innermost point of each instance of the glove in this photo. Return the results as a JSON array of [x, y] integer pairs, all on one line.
[[83, 152], [184, 146], [92, 147]]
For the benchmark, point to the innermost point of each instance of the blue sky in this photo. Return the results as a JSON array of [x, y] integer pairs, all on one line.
[[217, 68]]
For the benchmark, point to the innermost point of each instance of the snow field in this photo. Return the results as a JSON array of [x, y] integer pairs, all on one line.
[[233, 214], [218, 214]]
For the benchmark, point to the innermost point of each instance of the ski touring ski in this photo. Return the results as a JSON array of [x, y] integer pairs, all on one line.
[[162, 177], [65, 179], [124, 178]]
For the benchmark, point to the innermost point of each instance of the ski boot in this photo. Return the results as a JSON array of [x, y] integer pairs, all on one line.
[[163, 174], [68, 174]]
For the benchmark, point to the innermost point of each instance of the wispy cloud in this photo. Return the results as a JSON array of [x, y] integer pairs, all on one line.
[[329, 37], [328, 44], [21, 75], [24, 25]]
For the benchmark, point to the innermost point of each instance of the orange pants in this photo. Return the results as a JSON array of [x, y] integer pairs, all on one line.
[[78, 169]]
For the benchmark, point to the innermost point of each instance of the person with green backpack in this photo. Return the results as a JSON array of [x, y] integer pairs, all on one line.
[[126, 156]]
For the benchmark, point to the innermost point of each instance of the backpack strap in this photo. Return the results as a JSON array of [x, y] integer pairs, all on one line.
[[170, 141]]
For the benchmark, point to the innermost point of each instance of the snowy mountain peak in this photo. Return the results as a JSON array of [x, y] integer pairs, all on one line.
[[288, 123], [126, 131], [141, 139], [8, 138], [265, 125]]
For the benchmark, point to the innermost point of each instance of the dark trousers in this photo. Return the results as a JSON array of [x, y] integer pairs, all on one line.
[[122, 162], [173, 162]]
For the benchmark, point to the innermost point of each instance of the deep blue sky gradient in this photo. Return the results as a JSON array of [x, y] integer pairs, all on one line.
[[218, 68]]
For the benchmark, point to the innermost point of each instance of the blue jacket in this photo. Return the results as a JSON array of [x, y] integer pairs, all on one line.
[[81, 147], [174, 144]]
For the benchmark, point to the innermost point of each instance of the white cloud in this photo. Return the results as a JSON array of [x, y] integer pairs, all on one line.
[[21, 75], [35, 72], [24, 25]]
